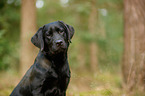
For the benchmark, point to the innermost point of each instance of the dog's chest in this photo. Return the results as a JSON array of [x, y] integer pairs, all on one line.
[[55, 81]]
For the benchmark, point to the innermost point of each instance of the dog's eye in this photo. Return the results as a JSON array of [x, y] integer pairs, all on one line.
[[48, 35], [61, 31]]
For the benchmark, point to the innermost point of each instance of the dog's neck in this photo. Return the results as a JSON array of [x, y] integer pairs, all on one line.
[[57, 60]]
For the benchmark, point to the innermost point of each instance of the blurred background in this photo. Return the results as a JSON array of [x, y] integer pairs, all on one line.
[[103, 51]]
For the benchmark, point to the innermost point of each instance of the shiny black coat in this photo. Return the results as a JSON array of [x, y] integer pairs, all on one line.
[[50, 73]]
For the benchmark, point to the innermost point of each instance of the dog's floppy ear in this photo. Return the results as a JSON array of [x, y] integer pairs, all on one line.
[[70, 30], [38, 40]]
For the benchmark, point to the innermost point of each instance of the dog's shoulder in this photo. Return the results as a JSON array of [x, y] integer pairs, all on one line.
[[43, 66], [42, 62]]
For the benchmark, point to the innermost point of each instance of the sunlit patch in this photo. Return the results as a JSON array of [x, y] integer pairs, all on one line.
[[104, 12], [64, 2], [10, 1], [39, 3]]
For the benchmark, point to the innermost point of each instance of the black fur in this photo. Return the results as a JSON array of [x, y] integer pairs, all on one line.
[[50, 73]]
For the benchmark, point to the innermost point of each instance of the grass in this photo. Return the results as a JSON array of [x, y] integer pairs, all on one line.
[[101, 84], [81, 83]]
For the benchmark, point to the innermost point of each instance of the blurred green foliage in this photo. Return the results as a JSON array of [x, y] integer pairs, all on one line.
[[9, 33], [108, 37]]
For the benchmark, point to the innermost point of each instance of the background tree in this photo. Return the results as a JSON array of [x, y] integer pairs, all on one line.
[[92, 28], [28, 28], [134, 48]]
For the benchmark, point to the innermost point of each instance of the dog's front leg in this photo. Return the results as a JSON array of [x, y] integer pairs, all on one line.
[[37, 92]]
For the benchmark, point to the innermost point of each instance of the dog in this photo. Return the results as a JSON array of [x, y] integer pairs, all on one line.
[[50, 73]]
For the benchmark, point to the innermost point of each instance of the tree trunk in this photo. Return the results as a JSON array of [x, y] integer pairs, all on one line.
[[81, 56], [28, 28], [92, 27], [134, 49]]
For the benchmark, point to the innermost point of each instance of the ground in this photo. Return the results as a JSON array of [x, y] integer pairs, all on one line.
[[81, 83]]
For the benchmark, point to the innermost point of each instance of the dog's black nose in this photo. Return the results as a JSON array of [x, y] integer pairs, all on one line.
[[59, 42]]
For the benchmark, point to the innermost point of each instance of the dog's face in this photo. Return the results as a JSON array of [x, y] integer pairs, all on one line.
[[54, 37]]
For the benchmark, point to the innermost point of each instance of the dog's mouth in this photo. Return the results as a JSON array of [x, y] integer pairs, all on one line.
[[58, 50]]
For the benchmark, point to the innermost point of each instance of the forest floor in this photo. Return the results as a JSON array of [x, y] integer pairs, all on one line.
[[81, 83]]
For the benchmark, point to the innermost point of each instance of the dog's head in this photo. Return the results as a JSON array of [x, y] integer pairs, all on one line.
[[53, 37]]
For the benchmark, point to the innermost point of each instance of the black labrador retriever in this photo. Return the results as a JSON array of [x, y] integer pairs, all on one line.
[[50, 73]]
